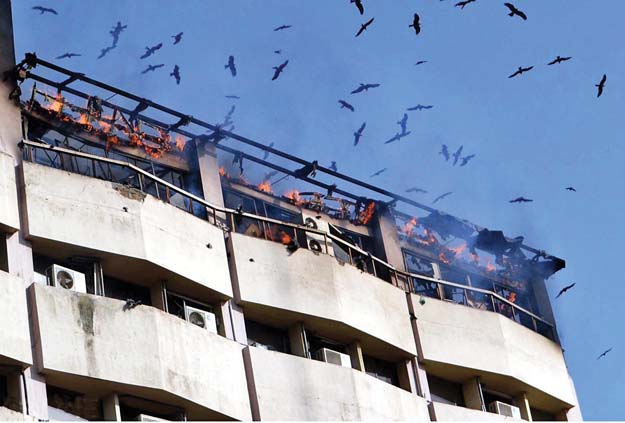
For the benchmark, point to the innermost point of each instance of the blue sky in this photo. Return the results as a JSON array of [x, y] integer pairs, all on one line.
[[533, 135]]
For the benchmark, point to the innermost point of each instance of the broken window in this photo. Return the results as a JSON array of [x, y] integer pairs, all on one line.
[[421, 266], [381, 369], [267, 337], [445, 391]]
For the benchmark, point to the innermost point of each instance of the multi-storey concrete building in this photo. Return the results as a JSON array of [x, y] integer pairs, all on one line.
[[143, 276]]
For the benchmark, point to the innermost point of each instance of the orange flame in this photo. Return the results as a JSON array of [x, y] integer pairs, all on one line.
[[285, 238], [265, 186], [489, 266], [180, 142], [408, 228], [222, 171], [83, 119], [294, 197], [428, 238], [367, 214], [57, 104], [443, 258], [458, 250], [512, 297]]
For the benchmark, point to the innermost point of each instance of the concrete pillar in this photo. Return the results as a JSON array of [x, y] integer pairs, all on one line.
[[233, 322], [543, 302], [297, 340], [472, 392], [209, 172], [407, 376], [387, 244], [110, 408], [355, 354], [522, 402], [251, 384]]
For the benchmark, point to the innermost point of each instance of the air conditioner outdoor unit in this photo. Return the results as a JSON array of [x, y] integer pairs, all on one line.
[[63, 277], [148, 418], [331, 356], [504, 409], [201, 318], [316, 242]]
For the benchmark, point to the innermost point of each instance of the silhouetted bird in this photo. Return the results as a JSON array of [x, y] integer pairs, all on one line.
[[345, 105], [397, 137], [44, 10], [515, 11], [521, 70], [466, 159], [68, 55], [461, 4], [152, 68], [364, 87], [420, 62], [151, 50], [379, 172], [364, 26], [457, 154], [177, 38], [130, 304], [416, 190], [116, 31], [230, 65], [415, 24], [440, 197], [358, 133], [359, 5], [419, 107], [278, 70], [278, 51], [601, 85], [105, 51], [333, 167], [571, 189], [558, 60], [445, 152], [176, 74], [521, 200], [235, 97], [266, 155], [402, 123], [603, 354], [280, 28], [563, 290]]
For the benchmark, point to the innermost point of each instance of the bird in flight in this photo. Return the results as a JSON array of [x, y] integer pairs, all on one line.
[[44, 10], [515, 11], [461, 4], [601, 85], [558, 60], [282, 27], [379, 172], [345, 105], [445, 152], [420, 62], [234, 97], [266, 155], [152, 68], [116, 31], [68, 55], [521, 200], [416, 190], [364, 87], [277, 51], [419, 107], [358, 4], [603, 354], [151, 50], [402, 123], [358, 133], [416, 24], [177, 38], [563, 290], [230, 65], [364, 26], [466, 159], [333, 167], [105, 51], [440, 197], [571, 189], [278, 70], [457, 154], [397, 137], [176, 74], [521, 70]]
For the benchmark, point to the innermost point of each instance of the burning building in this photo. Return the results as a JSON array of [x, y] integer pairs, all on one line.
[[153, 271]]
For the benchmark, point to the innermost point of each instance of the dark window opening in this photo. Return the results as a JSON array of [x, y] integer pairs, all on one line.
[[120, 290], [132, 408], [342, 252], [4, 258], [492, 396], [453, 275], [184, 308], [445, 391], [542, 416], [316, 343], [62, 402], [421, 266], [267, 337], [87, 266], [381, 369]]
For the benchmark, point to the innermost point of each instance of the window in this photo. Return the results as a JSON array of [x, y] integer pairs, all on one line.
[[67, 405], [132, 407], [267, 337], [380, 369], [421, 266], [445, 391], [178, 304], [316, 342], [115, 288], [542, 416], [491, 396]]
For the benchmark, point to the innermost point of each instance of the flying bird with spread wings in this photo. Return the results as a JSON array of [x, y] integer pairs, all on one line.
[[231, 66], [520, 71], [397, 137], [420, 62], [603, 354], [278, 70], [445, 152], [515, 11], [116, 32], [440, 197], [364, 26], [601, 85], [465, 160], [416, 190], [44, 10], [68, 55], [277, 51], [559, 59], [457, 154], [358, 4], [345, 105], [571, 189], [358, 133], [234, 97], [402, 123], [461, 4], [152, 68], [177, 38], [282, 27], [364, 87], [151, 50], [563, 290], [416, 24], [521, 200], [379, 172], [176, 74], [419, 107]]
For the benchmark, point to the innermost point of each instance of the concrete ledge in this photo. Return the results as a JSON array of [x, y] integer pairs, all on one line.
[[447, 412], [14, 327], [6, 414]]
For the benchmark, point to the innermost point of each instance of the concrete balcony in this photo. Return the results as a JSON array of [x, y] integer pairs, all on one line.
[[14, 328], [136, 236], [316, 289], [9, 213], [291, 388], [459, 342], [89, 344], [447, 412]]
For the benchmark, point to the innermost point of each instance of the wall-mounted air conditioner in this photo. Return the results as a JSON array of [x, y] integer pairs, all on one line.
[[331, 356], [63, 277], [201, 318], [148, 418], [316, 242], [504, 409]]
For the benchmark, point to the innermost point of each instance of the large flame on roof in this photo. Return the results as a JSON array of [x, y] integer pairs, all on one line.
[[366, 215], [265, 186], [294, 196]]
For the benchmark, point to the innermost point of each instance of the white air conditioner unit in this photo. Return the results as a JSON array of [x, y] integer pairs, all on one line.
[[504, 409], [333, 357], [316, 242], [69, 279], [148, 418], [201, 318]]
